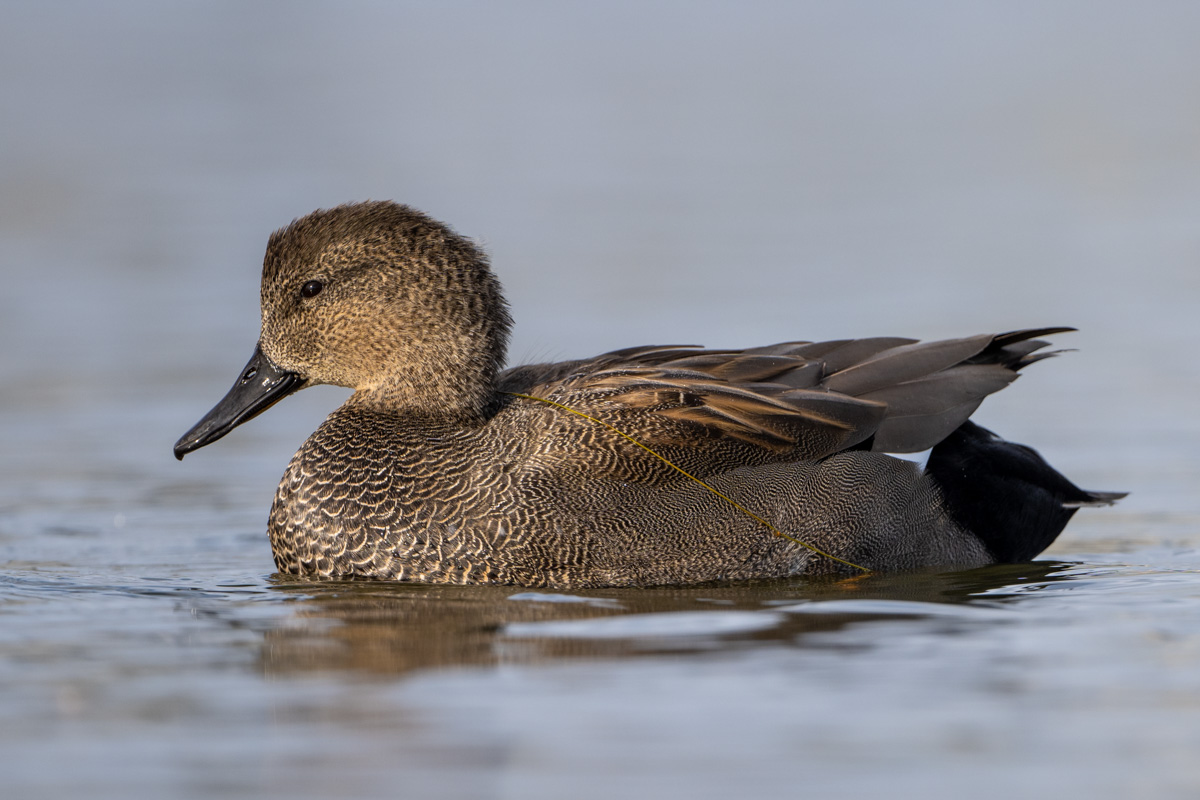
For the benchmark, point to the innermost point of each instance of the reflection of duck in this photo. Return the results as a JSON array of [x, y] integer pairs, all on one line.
[[442, 468], [389, 628]]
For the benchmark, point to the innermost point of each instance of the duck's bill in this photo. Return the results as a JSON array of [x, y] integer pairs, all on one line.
[[262, 384]]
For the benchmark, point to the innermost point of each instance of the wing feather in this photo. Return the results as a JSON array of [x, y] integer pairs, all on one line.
[[792, 400]]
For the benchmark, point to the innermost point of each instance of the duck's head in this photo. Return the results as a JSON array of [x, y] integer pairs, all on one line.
[[379, 298]]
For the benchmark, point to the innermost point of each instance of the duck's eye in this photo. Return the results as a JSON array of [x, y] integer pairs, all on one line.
[[311, 289]]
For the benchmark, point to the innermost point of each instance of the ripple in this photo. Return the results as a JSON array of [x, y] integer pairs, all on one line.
[[657, 626]]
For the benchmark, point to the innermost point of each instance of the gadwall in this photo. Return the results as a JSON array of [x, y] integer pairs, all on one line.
[[644, 466]]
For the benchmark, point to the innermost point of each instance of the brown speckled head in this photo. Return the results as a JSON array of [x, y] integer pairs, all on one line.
[[382, 299]]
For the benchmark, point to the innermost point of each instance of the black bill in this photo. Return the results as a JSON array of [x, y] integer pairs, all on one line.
[[261, 386]]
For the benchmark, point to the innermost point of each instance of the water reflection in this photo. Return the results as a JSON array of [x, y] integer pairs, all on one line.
[[388, 629]]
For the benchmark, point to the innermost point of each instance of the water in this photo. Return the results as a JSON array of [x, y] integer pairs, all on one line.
[[683, 172]]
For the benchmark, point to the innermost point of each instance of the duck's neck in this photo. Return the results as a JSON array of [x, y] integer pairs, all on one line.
[[465, 394], [445, 368]]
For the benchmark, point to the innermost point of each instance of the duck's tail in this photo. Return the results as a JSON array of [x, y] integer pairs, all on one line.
[[1005, 493]]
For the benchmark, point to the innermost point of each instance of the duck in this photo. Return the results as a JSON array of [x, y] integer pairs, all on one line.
[[645, 466]]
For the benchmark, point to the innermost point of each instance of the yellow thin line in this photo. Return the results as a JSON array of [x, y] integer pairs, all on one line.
[[689, 475]]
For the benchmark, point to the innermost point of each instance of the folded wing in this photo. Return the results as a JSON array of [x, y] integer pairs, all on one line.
[[794, 400]]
